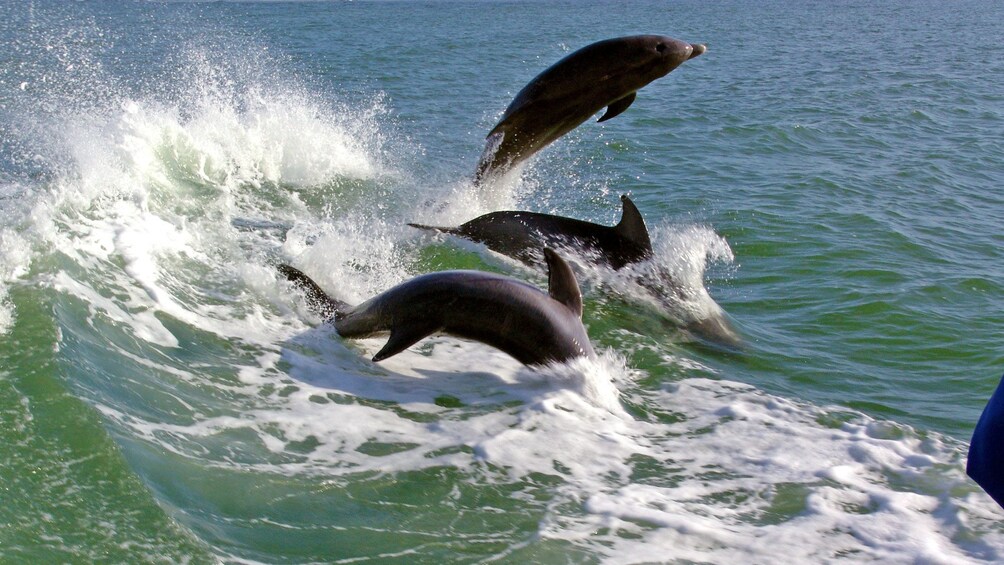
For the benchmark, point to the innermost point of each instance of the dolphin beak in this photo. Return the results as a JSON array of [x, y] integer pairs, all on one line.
[[698, 49]]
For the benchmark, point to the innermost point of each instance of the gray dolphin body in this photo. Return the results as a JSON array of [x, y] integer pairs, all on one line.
[[532, 326], [520, 235], [606, 74]]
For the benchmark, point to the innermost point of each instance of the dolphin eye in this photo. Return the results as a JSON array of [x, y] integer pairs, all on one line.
[[660, 47]]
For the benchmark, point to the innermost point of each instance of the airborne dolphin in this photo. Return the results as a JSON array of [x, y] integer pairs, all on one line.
[[532, 326], [520, 234], [607, 74]]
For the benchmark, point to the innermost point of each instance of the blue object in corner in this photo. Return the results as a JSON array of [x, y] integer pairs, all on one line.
[[986, 450]]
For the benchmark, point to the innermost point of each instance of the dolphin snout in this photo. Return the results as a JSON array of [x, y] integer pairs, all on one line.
[[698, 48]]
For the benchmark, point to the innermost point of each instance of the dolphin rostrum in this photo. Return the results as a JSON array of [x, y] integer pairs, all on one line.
[[606, 74], [534, 327]]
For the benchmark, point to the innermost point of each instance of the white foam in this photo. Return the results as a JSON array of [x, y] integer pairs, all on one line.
[[682, 255], [16, 252], [282, 139], [15, 257], [352, 259], [156, 188], [734, 474], [846, 491]]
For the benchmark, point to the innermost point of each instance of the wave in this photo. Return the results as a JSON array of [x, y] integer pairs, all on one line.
[[155, 221]]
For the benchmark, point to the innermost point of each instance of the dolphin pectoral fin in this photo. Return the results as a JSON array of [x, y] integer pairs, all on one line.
[[618, 106], [632, 226], [317, 299], [403, 336], [561, 283]]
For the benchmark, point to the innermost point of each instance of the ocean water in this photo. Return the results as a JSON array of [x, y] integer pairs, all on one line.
[[832, 172]]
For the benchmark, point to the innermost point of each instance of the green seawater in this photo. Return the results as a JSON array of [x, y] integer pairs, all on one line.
[[69, 495]]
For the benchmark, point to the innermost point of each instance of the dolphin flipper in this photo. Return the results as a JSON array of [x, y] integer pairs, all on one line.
[[317, 299], [561, 283], [618, 106], [403, 336]]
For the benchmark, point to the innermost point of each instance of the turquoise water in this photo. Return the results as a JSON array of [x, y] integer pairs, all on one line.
[[830, 171]]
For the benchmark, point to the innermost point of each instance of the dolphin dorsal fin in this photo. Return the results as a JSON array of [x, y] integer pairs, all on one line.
[[618, 106], [561, 283], [632, 225]]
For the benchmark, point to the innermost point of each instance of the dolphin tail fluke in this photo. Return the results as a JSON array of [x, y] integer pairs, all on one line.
[[317, 299]]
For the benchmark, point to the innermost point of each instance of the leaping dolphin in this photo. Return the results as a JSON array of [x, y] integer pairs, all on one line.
[[607, 74], [534, 327], [520, 234]]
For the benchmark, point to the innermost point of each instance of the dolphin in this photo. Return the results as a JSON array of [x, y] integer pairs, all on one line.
[[520, 235], [607, 74], [534, 327]]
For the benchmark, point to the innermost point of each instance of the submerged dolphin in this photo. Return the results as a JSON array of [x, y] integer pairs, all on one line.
[[534, 327], [607, 74], [520, 234]]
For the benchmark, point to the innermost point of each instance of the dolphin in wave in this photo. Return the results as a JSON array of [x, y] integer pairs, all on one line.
[[534, 327], [606, 74], [521, 234]]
